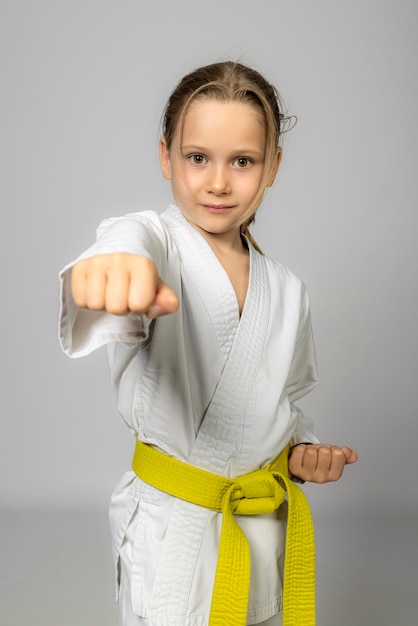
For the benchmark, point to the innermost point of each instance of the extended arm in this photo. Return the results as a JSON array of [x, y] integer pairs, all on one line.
[[103, 299]]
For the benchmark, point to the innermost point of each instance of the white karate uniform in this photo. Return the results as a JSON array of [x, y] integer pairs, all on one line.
[[209, 388]]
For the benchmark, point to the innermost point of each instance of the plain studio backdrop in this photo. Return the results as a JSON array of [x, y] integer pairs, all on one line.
[[83, 87]]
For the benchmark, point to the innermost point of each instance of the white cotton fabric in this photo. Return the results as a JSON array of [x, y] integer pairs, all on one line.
[[208, 387]]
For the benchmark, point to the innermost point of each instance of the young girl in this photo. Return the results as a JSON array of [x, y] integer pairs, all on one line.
[[210, 346]]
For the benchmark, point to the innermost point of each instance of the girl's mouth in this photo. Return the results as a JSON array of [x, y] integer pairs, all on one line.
[[218, 208]]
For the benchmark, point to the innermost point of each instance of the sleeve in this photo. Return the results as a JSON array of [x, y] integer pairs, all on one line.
[[82, 331], [302, 375]]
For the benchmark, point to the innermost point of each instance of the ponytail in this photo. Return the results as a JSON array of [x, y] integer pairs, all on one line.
[[245, 231]]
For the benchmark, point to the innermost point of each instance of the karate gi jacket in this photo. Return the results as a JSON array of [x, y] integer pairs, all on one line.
[[208, 387]]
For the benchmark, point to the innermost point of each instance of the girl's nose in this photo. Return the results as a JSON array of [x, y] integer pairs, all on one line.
[[218, 181]]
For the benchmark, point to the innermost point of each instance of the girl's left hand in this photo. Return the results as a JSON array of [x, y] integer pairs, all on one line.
[[320, 462]]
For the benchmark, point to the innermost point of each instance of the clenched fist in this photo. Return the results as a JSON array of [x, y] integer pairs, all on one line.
[[320, 462], [120, 283]]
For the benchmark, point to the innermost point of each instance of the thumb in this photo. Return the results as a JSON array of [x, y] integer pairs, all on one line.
[[351, 456], [165, 301]]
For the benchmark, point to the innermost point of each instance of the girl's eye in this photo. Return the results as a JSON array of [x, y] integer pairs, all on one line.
[[242, 162], [197, 159]]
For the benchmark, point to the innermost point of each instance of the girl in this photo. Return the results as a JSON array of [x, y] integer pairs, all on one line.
[[210, 346]]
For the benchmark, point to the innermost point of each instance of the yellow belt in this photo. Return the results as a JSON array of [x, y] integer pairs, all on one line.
[[259, 492]]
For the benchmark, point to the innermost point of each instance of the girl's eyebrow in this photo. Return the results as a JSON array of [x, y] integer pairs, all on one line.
[[195, 148], [245, 151]]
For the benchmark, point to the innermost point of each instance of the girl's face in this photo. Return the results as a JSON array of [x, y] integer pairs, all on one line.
[[216, 166]]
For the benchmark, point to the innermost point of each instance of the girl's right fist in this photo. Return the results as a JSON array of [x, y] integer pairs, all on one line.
[[120, 283]]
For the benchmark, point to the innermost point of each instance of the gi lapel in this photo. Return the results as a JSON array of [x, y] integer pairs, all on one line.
[[210, 280]]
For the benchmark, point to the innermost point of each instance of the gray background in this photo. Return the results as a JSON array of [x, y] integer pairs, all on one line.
[[83, 86]]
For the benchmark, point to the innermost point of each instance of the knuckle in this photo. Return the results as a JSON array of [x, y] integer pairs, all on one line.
[[310, 453], [116, 309], [79, 300], [136, 305], [325, 450], [94, 305]]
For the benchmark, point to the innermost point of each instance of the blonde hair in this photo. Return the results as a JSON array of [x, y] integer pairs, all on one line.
[[231, 82]]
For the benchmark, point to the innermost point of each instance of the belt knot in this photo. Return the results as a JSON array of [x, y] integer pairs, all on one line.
[[256, 493]]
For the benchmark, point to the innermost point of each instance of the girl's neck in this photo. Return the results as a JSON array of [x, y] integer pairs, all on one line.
[[233, 254], [227, 244]]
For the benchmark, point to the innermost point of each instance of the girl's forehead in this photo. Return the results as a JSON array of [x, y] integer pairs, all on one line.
[[236, 121]]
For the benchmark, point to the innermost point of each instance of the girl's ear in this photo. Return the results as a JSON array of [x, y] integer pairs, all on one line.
[[165, 159], [276, 167]]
